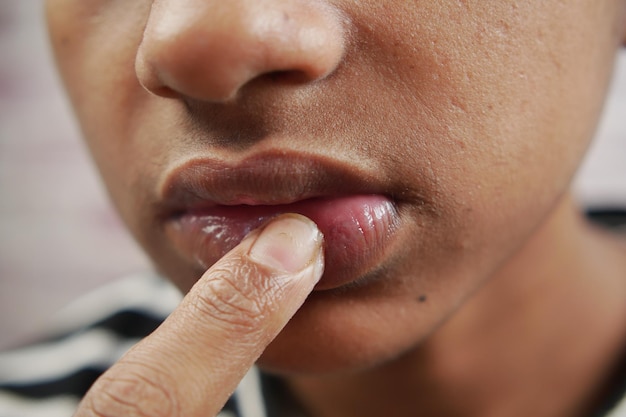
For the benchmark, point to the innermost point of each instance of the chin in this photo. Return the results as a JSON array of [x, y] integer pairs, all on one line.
[[308, 358], [338, 334]]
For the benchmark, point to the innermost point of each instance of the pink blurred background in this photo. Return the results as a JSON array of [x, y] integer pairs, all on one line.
[[58, 235]]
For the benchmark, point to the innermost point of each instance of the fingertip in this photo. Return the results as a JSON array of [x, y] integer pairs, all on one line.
[[289, 244]]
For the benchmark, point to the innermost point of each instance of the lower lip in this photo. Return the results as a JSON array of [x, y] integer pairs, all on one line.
[[356, 229]]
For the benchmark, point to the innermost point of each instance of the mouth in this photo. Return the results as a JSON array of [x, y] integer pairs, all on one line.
[[210, 206]]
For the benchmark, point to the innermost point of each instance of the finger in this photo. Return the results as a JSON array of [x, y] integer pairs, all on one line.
[[193, 362]]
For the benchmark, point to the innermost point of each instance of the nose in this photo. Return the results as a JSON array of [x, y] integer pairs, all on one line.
[[209, 49]]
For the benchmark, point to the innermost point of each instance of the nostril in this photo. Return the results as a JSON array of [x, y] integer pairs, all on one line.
[[287, 77], [165, 92]]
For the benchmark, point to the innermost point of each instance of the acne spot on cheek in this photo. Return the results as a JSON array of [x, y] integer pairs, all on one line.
[[422, 298]]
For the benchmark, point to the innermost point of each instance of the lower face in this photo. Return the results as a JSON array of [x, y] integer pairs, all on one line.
[[427, 157]]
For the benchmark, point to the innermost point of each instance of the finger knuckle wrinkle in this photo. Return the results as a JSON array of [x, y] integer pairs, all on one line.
[[242, 303], [132, 395]]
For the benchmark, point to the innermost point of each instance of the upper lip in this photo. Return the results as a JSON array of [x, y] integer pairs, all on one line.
[[263, 179]]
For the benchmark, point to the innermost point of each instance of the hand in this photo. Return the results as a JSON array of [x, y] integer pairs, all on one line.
[[194, 361]]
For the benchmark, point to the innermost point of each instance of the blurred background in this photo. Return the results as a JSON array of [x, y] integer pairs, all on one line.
[[58, 235]]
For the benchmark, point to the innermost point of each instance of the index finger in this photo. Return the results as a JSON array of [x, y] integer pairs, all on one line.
[[193, 362]]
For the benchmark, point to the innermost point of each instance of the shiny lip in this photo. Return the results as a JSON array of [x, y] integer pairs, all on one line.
[[263, 179], [198, 187]]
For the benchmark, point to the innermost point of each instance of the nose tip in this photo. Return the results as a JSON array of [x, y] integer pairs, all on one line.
[[209, 49]]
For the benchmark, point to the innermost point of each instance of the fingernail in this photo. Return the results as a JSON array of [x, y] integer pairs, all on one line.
[[289, 243]]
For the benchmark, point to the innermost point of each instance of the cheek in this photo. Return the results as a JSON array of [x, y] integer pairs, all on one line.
[[95, 43], [485, 106]]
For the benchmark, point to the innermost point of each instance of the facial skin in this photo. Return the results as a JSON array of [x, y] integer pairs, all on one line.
[[472, 116]]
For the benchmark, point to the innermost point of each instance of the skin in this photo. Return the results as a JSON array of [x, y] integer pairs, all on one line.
[[488, 109]]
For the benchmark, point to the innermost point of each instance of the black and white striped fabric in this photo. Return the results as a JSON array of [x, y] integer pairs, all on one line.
[[48, 379]]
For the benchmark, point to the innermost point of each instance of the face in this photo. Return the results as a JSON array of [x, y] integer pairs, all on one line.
[[427, 139]]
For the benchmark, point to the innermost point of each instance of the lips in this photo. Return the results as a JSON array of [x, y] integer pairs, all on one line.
[[210, 206]]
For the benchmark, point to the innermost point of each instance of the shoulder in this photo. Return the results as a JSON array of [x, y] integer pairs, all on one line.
[[619, 410]]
